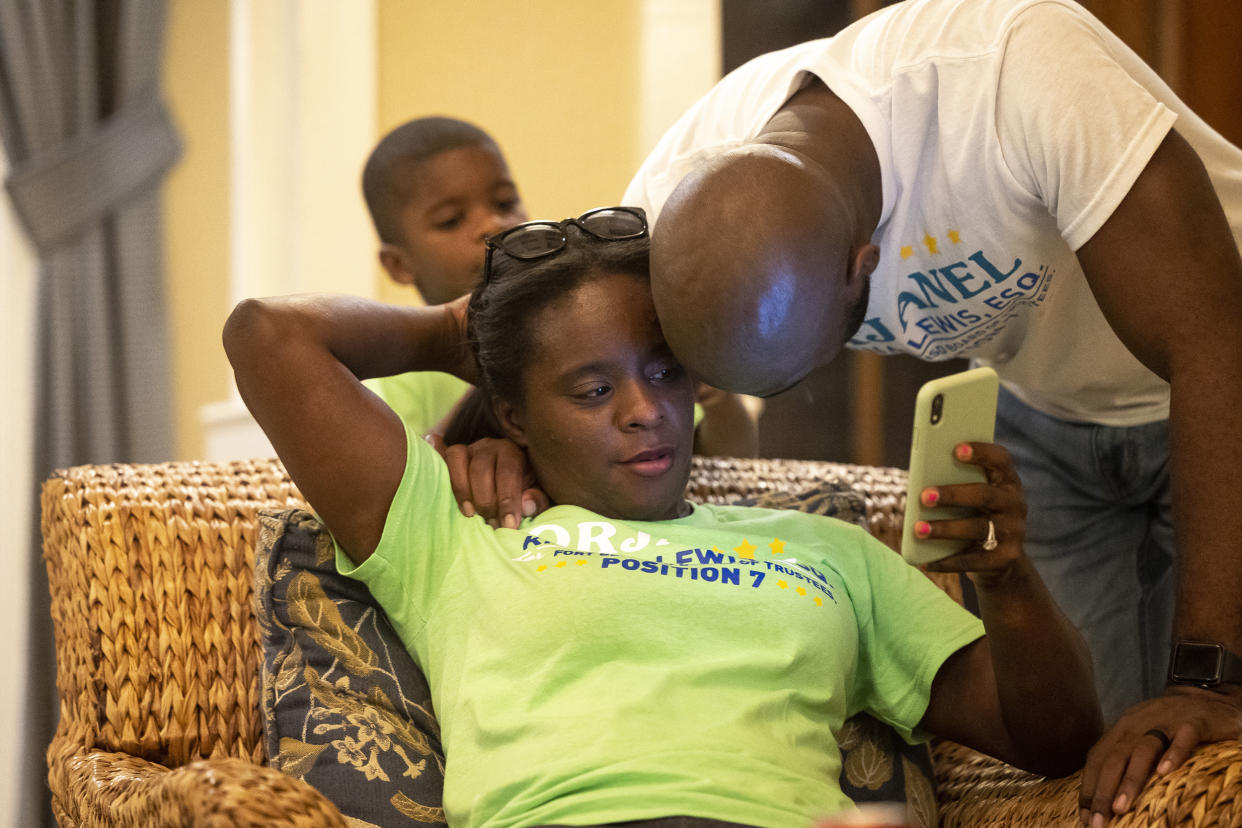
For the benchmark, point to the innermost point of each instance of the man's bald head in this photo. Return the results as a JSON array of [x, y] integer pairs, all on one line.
[[755, 269]]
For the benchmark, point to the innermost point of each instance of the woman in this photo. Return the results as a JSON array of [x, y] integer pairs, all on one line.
[[625, 655]]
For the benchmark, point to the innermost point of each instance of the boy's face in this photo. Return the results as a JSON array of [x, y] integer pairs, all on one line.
[[459, 197]]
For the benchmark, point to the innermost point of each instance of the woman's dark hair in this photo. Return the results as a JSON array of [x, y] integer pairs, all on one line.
[[503, 310], [472, 420]]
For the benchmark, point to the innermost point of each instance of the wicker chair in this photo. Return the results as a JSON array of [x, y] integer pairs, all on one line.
[[151, 571]]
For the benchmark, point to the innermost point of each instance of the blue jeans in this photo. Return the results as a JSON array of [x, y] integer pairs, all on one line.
[[1100, 532]]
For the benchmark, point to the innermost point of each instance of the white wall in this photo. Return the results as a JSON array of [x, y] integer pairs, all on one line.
[[681, 48], [18, 277], [301, 114]]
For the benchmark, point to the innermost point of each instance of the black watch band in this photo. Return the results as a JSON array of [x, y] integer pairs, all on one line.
[[1204, 664]]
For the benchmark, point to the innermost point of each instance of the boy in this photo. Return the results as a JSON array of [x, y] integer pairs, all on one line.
[[435, 188]]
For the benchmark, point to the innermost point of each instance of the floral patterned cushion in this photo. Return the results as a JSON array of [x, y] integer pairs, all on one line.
[[347, 710], [344, 706]]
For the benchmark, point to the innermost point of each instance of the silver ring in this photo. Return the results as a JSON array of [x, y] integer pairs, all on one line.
[[990, 543]]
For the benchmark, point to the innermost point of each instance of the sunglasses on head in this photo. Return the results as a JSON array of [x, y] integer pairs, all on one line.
[[536, 239]]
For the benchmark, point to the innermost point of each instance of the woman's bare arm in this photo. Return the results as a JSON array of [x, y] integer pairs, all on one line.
[[1025, 693], [299, 362]]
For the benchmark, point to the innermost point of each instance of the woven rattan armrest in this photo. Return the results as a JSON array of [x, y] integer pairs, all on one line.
[[976, 790], [106, 788], [150, 569]]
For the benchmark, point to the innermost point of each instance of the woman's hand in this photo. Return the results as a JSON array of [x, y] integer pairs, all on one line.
[[492, 478], [1001, 508]]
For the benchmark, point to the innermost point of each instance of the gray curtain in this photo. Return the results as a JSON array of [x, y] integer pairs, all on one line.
[[89, 142]]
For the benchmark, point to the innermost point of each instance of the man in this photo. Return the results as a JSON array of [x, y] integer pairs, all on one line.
[[1004, 181]]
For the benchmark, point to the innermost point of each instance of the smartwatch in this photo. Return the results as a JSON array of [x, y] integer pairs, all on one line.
[[1204, 664]]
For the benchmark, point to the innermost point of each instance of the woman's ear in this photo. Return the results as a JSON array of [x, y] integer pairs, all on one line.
[[511, 421]]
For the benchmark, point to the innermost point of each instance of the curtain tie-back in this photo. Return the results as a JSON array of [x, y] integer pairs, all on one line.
[[64, 190]]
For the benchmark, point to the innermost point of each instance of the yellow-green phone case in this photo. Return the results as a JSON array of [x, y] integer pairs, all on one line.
[[967, 413]]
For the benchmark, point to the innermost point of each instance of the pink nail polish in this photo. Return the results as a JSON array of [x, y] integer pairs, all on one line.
[[922, 528], [931, 497], [963, 451]]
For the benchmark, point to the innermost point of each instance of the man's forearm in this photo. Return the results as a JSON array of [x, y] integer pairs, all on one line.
[[1205, 435]]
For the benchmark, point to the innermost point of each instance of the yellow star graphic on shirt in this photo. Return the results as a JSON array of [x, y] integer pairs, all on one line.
[[581, 563], [782, 585], [745, 550], [955, 237], [777, 546], [748, 554], [801, 591], [930, 241], [541, 567], [819, 602], [560, 564], [906, 251]]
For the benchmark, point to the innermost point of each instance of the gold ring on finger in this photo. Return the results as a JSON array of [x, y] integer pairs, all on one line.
[[991, 542]]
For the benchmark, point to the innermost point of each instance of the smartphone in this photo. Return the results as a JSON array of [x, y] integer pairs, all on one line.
[[959, 408]]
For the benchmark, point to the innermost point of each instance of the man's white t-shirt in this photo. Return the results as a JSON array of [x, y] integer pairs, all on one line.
[[1007, 134]]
